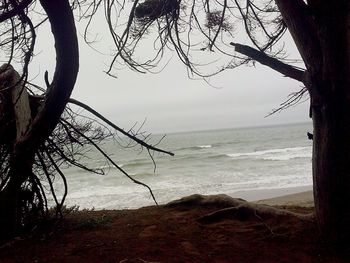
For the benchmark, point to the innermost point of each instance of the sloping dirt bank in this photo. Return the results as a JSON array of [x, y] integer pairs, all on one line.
[[178, 232]]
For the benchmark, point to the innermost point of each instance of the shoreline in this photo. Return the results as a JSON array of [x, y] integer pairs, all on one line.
[[303, 199], [274, 196], [298, 196]]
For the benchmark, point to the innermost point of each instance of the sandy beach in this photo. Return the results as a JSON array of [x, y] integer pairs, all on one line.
[[304, 199], [292, 194]]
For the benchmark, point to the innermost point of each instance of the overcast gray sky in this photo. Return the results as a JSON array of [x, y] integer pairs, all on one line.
[[171, 101]]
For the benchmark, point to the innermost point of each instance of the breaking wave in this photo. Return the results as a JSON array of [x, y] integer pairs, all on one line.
[[282, 154]]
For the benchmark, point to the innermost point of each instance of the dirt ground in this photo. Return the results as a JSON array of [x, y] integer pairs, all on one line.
[[172, 234]]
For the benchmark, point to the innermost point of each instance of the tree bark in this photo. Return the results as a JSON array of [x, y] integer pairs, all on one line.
[[331, 169], [21, 164], [321, 32], [330, 104], [10, 197]]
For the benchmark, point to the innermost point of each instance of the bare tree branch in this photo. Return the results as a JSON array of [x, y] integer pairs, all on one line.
[[112, 162], [271, 62], [67, 64], [141, 142]]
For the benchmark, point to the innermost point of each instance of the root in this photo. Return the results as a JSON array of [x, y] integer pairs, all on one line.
[[221, 200], [232, 208]]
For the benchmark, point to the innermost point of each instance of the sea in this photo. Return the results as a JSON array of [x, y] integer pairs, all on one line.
[[226, 161]]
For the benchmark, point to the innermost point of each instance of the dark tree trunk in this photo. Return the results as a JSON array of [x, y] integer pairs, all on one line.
[[321, 32], [9, 214], [10, 197], [331, 168], [30, 134], [330, 102]]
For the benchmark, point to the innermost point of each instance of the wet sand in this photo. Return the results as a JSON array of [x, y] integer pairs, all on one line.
[[282, 194], [304, 199]]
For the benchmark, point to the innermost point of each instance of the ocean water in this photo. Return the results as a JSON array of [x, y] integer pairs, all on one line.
[[205, 162]]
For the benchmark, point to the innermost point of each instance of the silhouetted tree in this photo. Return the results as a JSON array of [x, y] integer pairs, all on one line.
[[38, 130]]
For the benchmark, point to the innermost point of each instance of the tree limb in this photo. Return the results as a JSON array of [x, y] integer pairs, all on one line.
[[112, 162], [67, 64], [141, 142], [271, 62]]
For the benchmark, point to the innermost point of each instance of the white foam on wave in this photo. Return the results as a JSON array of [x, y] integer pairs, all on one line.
[[281, 154], [95, 191], [204, 146], [288, 157]]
